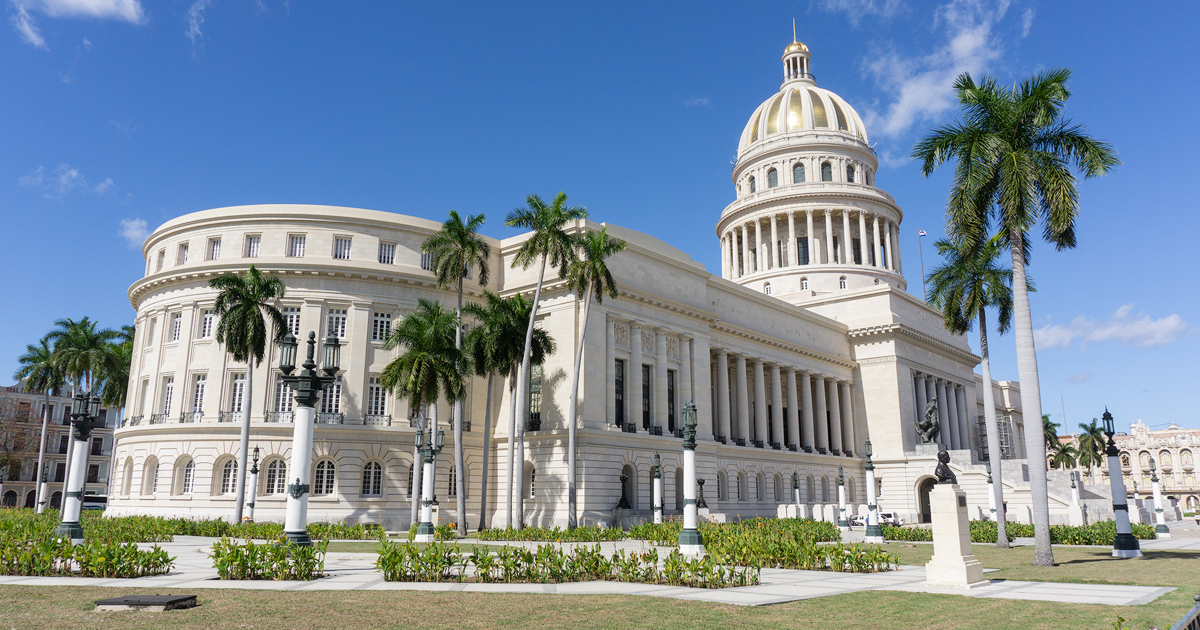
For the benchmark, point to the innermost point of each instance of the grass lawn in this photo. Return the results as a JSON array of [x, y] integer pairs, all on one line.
[[70, 606]]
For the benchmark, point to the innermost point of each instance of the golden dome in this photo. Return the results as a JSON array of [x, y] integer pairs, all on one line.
[[795, 46]]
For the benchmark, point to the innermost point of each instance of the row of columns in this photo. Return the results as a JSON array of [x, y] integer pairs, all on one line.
[[634, 383], [954, 426], [819, 413], [740, 238]]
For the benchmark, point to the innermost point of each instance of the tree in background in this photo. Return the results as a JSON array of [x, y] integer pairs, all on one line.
[[41, 374]]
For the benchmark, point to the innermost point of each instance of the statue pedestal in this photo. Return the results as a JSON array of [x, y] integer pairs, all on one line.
[[953, 565]]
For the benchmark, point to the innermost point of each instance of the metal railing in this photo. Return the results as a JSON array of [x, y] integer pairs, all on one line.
[[1191, 619], [133, 421], [229, 416], [414, 422], [190, 416], [466, 425], [377, 420], [777, 446], [797, 75], [720, 438], [278, 416], [757, 443], [533, 424], [331, 418], [653, 430], [629, 427], [158, 418], [739, 441]]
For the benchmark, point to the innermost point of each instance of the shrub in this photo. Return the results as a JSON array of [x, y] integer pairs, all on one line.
[[43, 555], [1102, 533], [248, 560], [554, 534]]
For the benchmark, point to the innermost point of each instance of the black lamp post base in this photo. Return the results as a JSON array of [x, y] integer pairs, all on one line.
[[1126, 546], [874, 534], [70, 530], [301, 539]]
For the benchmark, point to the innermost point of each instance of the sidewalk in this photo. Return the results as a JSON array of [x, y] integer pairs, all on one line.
[[355, 571]]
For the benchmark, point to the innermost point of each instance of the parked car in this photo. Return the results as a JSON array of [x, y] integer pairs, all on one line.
[[858, 521], [890, 518]]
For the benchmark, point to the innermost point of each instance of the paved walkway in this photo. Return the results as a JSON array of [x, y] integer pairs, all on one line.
[[355, 571]]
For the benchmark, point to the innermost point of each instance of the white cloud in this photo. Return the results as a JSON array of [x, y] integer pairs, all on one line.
[[134, 231], [1080, 377], [856, 10], [63, 181], [104, 186], [1121, 327], [124, 10], [1027, 22], [194, 18], [697, 101], [920, 87], [23, 22]]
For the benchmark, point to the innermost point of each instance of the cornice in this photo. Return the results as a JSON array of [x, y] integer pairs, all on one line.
[[889, 332], [750, 335]]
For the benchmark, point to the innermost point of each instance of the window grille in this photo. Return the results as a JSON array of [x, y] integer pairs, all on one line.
[[214, 248], [323, 482], [372, 481], [427, 261], [381, 327], [252, 243], [341, 248], [276, 477], [198, 392], [387, 253], [206, 324], [176, 326], [337, 322], [237, 389], [291, 314], [181, 258], [189, 477], [228, 477], [168, 390], [283, 396], [376, 398], [331, 398], [296, 246]]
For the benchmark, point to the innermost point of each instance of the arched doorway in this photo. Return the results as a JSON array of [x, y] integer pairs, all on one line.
[[924, 487], [10, 498], [31, 499], [56, 500]]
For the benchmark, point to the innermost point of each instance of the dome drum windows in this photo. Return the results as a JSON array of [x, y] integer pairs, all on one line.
[[850, 173], [826, 172], [753, 187], [798, 173], [772, 178]]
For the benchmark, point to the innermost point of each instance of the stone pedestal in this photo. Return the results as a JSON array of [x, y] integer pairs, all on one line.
[[953, 565]]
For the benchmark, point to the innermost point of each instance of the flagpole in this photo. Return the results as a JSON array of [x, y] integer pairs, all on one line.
[[921, 253]]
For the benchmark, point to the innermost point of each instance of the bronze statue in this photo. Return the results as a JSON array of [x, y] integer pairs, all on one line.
[[927, 427], [943, 472]]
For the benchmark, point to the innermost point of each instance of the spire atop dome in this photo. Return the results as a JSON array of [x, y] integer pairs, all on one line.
[[795, 60]]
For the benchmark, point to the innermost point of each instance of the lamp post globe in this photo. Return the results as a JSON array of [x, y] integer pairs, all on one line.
[[1124, 545], [306, 387]]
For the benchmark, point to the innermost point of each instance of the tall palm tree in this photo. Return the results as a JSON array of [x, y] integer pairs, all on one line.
[[1064, 456], [41, 374], [496, 346], [964, 287], [117, 363], [244, 304], [587, 275], [456, 248], [1091, 445], [80, 349], [432, 366], [548, 243], [1050, 431], [1014, 153]]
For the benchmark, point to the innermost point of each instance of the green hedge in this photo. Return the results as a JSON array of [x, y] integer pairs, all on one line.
[[1101, 533], [248, 560], [554, 534]]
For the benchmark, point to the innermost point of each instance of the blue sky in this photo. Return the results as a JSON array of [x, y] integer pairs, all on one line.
[[117, 115]]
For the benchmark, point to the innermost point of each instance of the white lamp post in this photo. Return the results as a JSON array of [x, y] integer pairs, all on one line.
[[307, 387], [796, 489], [249, 517], [83, 418], [429, 446], [43, 493], [1160, 519], [658, 493], [991, 492], [843, 524], [1124, 545], [874, 531], [691, 543]]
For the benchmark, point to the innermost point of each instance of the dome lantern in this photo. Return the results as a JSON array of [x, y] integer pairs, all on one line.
[[795, 60]]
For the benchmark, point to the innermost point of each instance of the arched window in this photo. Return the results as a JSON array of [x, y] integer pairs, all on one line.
[[826, 172], [188, 479], [778, 488], [767, 288], [850, 490], [228, 477], [452, 482], [810, 493], [753, 187], [759, 490], [10, 499], [722, 487], [772, 178], [127, 484], [1144, 457], [797, 173], [824, 489], [803, 284], [31, 499], [372, 480], [1164, 460], [276, 477], [1125, 460], [1185, 458], [866, 177], [150, 476], [56, 500], [850, 173], [743, 487], [842, 282], [323, 479]]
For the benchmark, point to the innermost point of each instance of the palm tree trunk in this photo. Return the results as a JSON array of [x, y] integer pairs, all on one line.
[[523, 394], [1031, 404], [240, 498], [572, 420], [417, 468], [993, 431], [487, 446], [512, 445], [459, 477], [41, 467]]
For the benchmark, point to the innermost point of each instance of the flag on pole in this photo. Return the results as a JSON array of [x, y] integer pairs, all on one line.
[[921, 232]]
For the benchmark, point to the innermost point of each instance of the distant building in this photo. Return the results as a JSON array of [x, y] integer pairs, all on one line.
[[1174, 452]]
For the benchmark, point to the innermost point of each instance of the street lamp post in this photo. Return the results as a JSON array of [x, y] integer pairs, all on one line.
[[44, 492], [429, 445], [84, 412], [1160, 519], [307, 386], [843, 523], [991, 492], [796, 490], [874, 531], [691, 543], [658, 494], [249, 517], [1124, 545]]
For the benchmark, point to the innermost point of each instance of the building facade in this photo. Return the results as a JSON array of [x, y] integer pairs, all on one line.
[[1173, 451], [801, 347]]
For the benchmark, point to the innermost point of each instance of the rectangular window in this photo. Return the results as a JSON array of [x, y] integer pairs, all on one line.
[[376, 398], [291, 314], [619, 393], [252, 243], [535, 394], [856, 244], [336, 324], [836, 249], [60, 471], [145, 398], [645, 396], [802, 250], [236, 392], [427, 261], [162, 255], [341, 248], [93, 473], [331, 398], [63, 445], [778, 253], [198, 392], [150, 333], [381, 326], [206, 323], [168, 391], [296, 246], [97, 446], [181, 257], [214, 248], [670, 400], [387, 253], [283, 396], [176, 326]]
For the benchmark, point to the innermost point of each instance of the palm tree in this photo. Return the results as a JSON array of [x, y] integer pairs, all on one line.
[[117, 363], [549, 243], [1064, 456], [1014, 154], [587, 275], [431, 367], [1050, 431], [41, 374], [242, 303], [496, 346], [964, 287], [456, 248], [1091, 445], [80, 350]]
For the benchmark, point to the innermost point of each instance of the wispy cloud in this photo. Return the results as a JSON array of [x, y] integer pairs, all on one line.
[[125, 127], [698, 101], [122, 10], [195, 19], [63, 181], [856, 10], [1080, 377], [1027, 22], [1122, 327], [134, 231]]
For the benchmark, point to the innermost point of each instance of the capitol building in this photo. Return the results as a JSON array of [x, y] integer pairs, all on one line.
[[800, 347]]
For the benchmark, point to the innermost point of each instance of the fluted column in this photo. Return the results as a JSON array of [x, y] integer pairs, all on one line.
[[931, 394], [812, 247], [634, 414], [743, 398], [776, 407], [658, 415], [732, 247], [744, 267], [849, 445], [952, 412], [919, 389], [887, 245], [610, 377], [724, 259], [760, 405], [875, 240], [764, 248], [821, 415], [686, 369], [862, 239], [948, 432], [964, 419], [793, 414], [776, 261], [829, 236], [835, 418], [896, 251], [723, 394], [792, 256], [847, 242], [808, 438]]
